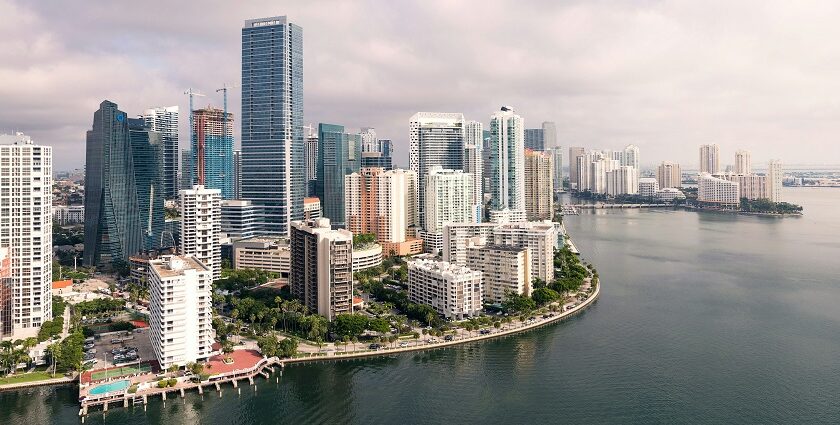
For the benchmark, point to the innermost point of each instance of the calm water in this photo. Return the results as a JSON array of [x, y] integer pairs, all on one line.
[[703, 318]]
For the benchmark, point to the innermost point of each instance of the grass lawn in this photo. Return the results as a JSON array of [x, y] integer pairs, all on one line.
[[28, 377], [125, 370]]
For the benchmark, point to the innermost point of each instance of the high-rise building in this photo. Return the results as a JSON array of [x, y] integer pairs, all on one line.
[[436, 139], [717, 191], [237, 174], [630, 157], [455, 292], [743, 162], [201, 227], [669, 174], [539, 185], [750, 186], [473, 163], [273, 174], [774, 180], [25, 236], [622, 181], [186, 175], [710, 159], [457, 235], [180, 310], [369, 140], [539, 236], [311, 208], [593, 167], [557, 165], [113, 229], [574, 173], [321, 273], [310, 154], [147, 160], [339, 154], [240, 219], [380, 157], [164, 120], [507, 158], [534, 139], [448, 200], [504, 269], [212, 150], [550, 135]]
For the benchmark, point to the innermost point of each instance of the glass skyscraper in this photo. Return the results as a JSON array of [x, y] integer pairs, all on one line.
[[148, 150], [339, 154], [272, 121], [217, 168], [165, 121]]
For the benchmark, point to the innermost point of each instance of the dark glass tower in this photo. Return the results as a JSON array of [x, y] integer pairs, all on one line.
[[272, 121], [339, 154], [148, 151]]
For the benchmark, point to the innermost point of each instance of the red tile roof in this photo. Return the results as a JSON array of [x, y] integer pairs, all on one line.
[[61, 284]]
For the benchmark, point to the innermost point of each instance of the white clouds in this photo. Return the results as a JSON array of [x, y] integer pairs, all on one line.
[[664, 75]]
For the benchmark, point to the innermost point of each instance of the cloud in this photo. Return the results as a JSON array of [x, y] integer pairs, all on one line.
[[664, 75]]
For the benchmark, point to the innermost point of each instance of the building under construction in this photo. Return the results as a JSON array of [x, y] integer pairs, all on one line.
[[212, 150]]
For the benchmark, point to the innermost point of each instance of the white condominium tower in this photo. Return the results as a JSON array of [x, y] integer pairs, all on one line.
[[165, 121], [473, 164], [455, 292], [448, 200], [575, 177], [539, 185], [710, 159], [201, 227], [716, 191], [669, 174], [505, 268], [507, 160], [436, 139], [368, 136], [26, 233], [180, 310], [539, 236], [774, 180], [623, 180], [630, 157], [743, 162]]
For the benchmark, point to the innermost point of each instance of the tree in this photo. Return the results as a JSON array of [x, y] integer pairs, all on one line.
[[349, 324], [268, 346], [392, 339], [379, 325], [517, 303], [346, 340], [227, 348], [538, 283], [543, 296], [288, 347]]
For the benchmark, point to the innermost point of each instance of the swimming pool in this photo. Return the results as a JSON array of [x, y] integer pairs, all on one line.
[[109, 387]]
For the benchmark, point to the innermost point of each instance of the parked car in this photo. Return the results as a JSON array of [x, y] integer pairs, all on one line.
[[484, 331], [449, 338], [375, 346]]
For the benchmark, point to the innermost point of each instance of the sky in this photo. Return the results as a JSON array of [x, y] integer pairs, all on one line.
[[664, 75]]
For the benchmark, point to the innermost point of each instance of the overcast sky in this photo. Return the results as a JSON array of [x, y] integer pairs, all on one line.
[[667, 76]]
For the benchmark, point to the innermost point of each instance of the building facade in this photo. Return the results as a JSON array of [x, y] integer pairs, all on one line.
[[648, 187], [201, 227], [743, 162], [164, 120], [455, 292], [507, 160], [539, 236], [237, 174], [448, 200], [622, 181], [240, 219], [710, 159], [539, 185], [505, 269], [68, 214], [212, 150], [147, 159], [669, 174], [474, 163], [269, 254], [339, 154], [775, 174], [574, 172], [716, 191]]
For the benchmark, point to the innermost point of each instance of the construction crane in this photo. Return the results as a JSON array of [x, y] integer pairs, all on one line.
[[199, 153], [224, 91]]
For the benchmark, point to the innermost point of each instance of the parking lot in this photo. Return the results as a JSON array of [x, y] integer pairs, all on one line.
[[137, 340]]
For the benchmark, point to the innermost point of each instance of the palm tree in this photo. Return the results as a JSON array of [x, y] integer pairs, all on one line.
[[345, 339], [355, 341]]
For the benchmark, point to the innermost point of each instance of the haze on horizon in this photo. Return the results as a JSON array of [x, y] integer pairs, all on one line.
[[664, 75]]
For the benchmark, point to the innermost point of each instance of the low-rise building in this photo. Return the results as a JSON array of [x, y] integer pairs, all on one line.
[[454, 291], [263, 253], [648, 187], [715, 191], [539, 236], [367, 257], [311, 208], [68, 214], [669, 194]]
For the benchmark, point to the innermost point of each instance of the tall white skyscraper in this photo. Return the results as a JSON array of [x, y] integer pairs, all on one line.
[[448, 200], [436, 139], [369, 140], [631, 157], [165, 121], [473, 164], [574, 168], [557, 173], [622, 180], [201, 227], [26, 235], [507, 160], [669, 174], [774, 180], [743, 162], [710, 159]]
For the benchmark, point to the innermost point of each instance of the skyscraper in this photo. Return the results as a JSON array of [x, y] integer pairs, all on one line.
[[436, 139], [112, 220], [774, 180], [474, 164], [534, 139], [574, 170], [380, 156], [147, 150], [710, 159], [368, 135], [339, 154], [630, 157], [539, 185], [507, 162], [669, 174], [237, 174], [549, 135], [25, 236], [212, 150], [201, 227], [273, 174], [448, 200], [321, 272], [557, 163], [743, 162], [186, 169], [164, 120], [311, 159]]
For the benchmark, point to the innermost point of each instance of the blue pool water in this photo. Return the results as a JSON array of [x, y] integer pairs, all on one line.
[[111, 386]]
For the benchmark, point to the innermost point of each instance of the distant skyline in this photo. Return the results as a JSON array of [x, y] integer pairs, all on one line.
[[665, 76]]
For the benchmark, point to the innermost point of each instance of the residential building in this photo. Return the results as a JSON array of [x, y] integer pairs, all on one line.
[[201, 227], [710, 159], [455, 292], [574, 172], [273, 174], [164, 120], [237, 174], [448, 200], [321, 273], [507, 216], [180, 310], [26, 171], [716, 191], [311, 208], [311, 159], [68, 214], [630, 157], [212, 150], [263, 253], [507, 157], [539, 236], [648, 187], [504, 269], [473, 163], [774, 180], [539, 185], [743, 162], [750, 186], [436, 139], [368, 139], [623, 180], [339, 154], [669, 194], [669, 174], [240, 219]]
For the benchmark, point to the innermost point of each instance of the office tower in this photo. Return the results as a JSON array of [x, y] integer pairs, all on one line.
[[718, 192], [774, 180], [485, 164], [113, 230], [436, 139], [321, 272], [669, 174], [648, 187], [710, 159], [574, 171], [273, 174], [180, 310], [201, 227], [448, 200], [212, 150], [550, 135], [25, 236], [538, 236], [237, 174], [539, 185], [147, 152], [504, 269], [455, 292], [380, 157], [369, 140], [239, 219], [473, 163], [311, 159], [743, 162], [164, 120], [186, 169], [382, 203], [507, 158], [534, 139], [622, 180], [339, 154]]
